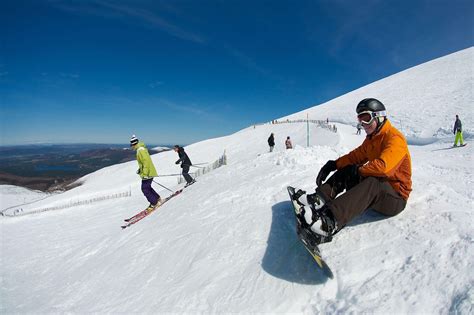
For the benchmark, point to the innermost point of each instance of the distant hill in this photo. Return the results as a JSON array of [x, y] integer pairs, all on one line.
[[55, 167]]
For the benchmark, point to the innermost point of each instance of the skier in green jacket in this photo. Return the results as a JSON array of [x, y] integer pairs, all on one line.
[[146, 171]]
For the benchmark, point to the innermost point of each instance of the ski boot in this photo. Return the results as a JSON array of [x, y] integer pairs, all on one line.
[[190, 183], [152, 207]]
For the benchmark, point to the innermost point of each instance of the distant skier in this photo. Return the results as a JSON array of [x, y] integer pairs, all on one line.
[[288, 143], [271, 142], [185, 164], [375, 175], [146, 171], [359, 127], [458, 132]]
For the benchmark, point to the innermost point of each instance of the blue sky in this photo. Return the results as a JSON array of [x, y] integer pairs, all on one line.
[[183, 71]]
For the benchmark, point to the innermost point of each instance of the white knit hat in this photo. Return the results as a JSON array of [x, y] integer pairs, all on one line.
[[133, 140]]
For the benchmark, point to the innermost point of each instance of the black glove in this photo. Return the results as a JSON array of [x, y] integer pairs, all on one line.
[[353, 176], [177, 162], [325, 171]]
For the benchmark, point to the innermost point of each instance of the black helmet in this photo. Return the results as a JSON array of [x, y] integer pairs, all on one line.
[[370, 104]]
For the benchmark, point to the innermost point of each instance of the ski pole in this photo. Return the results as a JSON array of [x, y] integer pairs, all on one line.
[[172, 175], [163, 186], [193, 165]]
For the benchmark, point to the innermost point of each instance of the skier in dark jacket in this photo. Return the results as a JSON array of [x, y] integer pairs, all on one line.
[[271, 142], [458, 132], [185, 164]]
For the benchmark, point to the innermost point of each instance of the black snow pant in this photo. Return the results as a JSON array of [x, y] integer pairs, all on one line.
[[361, 194], [186, 175]]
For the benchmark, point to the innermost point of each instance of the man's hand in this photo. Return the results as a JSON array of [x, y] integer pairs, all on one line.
[[325, 171]]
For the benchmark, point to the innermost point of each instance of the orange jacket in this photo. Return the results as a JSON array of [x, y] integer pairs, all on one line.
[[384, 154]]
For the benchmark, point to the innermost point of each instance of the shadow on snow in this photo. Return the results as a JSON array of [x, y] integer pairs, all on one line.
[[285, 256], [368, 216]]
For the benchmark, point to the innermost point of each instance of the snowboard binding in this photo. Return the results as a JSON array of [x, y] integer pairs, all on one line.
[[309, 239], [314, 217]]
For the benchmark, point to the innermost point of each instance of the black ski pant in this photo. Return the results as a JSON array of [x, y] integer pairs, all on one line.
[[186, 175], [361, 194]]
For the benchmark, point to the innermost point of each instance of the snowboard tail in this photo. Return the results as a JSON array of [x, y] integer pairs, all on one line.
[[310, 240]]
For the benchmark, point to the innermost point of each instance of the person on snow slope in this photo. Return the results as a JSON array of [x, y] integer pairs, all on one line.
[[375, 175], [147, 171], [185, 164]]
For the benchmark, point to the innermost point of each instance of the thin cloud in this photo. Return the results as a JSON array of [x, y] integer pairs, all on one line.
[[250, 63], [155, 84], [112, 10], [246, 60], [204, 114], [185, 108], [70, 75]]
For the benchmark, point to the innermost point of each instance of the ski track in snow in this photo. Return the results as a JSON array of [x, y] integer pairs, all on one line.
[[227, 244]]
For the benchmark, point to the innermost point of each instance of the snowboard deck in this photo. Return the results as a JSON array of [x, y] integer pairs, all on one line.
[[307, 237]]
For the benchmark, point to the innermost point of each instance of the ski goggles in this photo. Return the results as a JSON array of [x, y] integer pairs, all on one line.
[[367, 117]]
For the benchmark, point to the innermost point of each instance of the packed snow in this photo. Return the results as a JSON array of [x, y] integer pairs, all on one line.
[[13, 196], [227, 244]]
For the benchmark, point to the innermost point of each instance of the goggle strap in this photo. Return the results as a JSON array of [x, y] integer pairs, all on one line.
[[381, 113]]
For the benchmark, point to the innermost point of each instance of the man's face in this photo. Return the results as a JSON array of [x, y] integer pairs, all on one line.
[[368, 120], [370, 128]]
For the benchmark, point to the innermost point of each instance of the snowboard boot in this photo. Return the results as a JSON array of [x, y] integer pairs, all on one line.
[[310, 204], [317, 218], [316, 200], [323, 224]]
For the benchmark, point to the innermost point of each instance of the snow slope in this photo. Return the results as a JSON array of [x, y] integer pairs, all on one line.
[[228, 243], [16, 196]]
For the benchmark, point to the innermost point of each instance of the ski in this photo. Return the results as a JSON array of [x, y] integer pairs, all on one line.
[[136, 216], [142, 214]]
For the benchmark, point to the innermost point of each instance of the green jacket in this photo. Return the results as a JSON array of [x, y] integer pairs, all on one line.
[[147, 169]]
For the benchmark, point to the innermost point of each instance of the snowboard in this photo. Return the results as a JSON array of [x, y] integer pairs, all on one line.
[[309, 240]]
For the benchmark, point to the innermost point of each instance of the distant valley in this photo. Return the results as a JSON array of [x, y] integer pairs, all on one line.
[[57, 167]]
